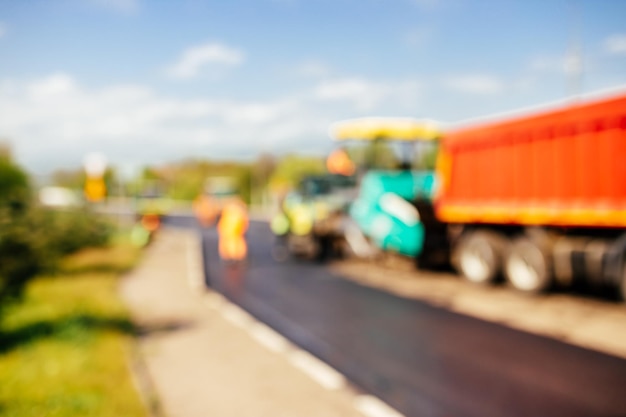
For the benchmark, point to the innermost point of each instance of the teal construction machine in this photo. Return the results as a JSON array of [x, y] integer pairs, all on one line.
[[393, 211]]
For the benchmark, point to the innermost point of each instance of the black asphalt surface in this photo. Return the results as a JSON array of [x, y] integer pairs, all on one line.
[[422, 360]]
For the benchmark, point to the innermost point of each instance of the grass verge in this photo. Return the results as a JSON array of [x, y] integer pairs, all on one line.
[[64, 348]]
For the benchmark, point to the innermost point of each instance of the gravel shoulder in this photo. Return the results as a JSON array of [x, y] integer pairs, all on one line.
[[586, 322]]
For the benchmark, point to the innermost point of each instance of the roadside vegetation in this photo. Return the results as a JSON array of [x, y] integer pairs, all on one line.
[[65, 347], [34, 239], [185, 179], [65, 336]]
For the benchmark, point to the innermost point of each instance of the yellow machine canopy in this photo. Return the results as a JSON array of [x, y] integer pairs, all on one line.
[[389, 128]]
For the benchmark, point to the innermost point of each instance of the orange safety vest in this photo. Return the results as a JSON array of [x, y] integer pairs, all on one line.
[[204, 209], [338, 162], [231, 229]]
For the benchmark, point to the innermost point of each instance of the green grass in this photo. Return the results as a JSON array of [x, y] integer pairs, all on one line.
[[64, 348]]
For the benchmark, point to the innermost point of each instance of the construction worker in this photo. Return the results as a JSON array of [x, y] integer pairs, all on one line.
[[339, 162], [205, 210], [231, 228]]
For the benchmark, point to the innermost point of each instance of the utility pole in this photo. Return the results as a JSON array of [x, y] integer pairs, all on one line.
[[574, 57]]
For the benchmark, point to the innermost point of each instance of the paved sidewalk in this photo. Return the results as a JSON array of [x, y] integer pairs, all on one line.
[[206, 357]]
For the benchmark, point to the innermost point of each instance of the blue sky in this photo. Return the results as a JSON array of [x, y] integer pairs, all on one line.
[[149, 82]]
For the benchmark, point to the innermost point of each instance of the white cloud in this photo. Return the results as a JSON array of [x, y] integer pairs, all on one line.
[[313, 69], [120, 6], [365, 95], [252, 113], [547, 64], [474, 84], [49, 87], [195, 58], [362, 93], [54, 121], [615, 45], [569, 63]]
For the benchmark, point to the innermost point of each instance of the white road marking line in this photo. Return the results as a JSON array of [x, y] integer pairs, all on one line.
[[236, 316], [269, 338], [318, 370], [374, 407]]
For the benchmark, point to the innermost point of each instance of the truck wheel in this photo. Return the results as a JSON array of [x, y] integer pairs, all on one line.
[[324, 248], [527, 266], [478, 256]]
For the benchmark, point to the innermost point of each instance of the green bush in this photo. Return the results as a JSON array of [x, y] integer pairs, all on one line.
[[69, 231], [14, 187], [21, 253], [32, 239]]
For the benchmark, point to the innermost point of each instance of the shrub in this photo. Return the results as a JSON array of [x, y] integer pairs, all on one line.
[[71, 230], [33, 239], [14, 187], [21, 253]]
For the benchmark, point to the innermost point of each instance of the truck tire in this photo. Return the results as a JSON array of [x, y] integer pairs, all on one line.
[[527, 267], [324, 246], [478, 256], [304, 247]]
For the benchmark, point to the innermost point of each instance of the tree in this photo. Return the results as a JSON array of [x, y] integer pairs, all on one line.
[[290, 170], [32, 238], [19, 253], [73, 179], [261, 171], [14, 184]]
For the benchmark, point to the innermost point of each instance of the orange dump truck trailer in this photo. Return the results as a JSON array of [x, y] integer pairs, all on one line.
[[539, 198]]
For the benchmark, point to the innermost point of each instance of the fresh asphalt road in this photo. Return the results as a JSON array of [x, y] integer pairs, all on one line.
[[420, 359]]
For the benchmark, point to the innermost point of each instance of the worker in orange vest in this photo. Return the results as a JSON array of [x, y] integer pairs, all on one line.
[[339, 162], [232, 228], [205, 210]]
